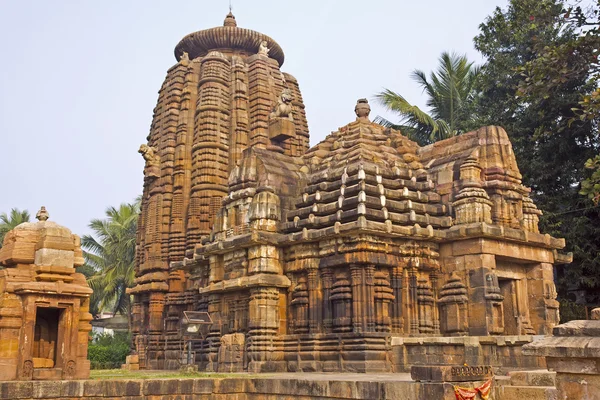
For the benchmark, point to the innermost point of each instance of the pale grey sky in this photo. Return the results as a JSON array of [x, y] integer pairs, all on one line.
[[79, 79]]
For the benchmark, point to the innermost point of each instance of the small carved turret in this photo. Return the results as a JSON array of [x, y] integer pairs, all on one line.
[[531, 215], [472, 204], [265, 211], [453, 307]]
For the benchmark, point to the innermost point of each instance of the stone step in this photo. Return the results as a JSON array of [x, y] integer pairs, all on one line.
[[532, 378], [526, 392]]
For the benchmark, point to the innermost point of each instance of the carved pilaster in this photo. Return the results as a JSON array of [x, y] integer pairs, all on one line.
[[426, 300], [383, 298], [342, 303], [157, 305], [314, 295], [327, 279], [300, 306], [369, 298], [436, 316], [397, 316], [358, 300], [413, 302], [263, 325]]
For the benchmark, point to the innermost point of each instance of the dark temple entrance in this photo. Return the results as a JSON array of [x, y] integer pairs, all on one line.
[[46, 337]]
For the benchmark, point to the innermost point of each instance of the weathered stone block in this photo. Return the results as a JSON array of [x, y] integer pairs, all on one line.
[[451, 373]]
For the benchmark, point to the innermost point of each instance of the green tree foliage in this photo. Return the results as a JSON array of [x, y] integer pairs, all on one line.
[[550, 142], [108, 351], [110, 258], [576, 58], [590, 187], [450, 95], [9, 221]]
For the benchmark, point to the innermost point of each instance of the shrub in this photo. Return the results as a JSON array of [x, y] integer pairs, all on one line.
[[569, 310], [108, 351]]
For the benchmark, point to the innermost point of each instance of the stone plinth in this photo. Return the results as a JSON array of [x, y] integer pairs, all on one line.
[[44, 318], [574, 353], [281, 129]]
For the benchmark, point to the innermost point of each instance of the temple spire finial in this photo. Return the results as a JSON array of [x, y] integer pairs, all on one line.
[[42, 215], [230, 18]]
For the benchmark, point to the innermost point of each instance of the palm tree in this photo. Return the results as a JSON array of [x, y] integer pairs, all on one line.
[[9, 222], [450, 95], [111, 258]]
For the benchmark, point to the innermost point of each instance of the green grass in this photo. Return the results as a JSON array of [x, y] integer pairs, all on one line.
[[158, 374]]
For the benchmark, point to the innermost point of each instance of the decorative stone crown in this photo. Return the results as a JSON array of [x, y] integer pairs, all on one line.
[[43, 243], [228, 36]]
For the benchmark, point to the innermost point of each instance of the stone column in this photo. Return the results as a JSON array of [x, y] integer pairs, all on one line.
[[369, 299], [358, 301], [397, 320], [315, 300], [213, 338], [157, 305], [263, 325], [542, 304], [327, 279], [436, 315], [413, 303]]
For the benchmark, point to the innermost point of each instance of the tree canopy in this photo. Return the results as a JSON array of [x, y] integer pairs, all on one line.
[[450, 95], [9, 221], [536, 99], [110, 258]]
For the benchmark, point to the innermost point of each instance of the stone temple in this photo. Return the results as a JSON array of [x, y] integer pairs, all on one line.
[[365, 252]]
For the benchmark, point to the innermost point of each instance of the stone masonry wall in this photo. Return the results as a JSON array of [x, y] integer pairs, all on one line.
[[225, 388]]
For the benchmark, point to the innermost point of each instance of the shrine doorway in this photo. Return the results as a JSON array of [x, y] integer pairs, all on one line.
[[511, 316], [47, 322]]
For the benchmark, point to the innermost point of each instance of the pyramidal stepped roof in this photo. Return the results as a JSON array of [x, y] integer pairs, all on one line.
[[368, 176]]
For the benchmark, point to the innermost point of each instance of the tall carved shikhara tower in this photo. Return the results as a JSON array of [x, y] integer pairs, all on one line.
[[339, 257], [214, 103]]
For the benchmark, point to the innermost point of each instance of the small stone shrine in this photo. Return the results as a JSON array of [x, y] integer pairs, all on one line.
[[44, 318], [365, 252]]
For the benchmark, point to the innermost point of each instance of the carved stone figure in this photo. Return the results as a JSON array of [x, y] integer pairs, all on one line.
[[185, 58], [283, 109], [263, 50], [150, 155]]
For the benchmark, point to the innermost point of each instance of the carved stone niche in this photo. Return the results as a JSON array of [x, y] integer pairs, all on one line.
[[426, 303], [453, 307]]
